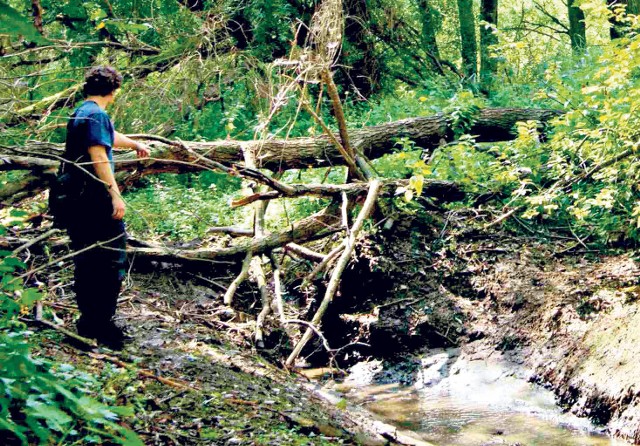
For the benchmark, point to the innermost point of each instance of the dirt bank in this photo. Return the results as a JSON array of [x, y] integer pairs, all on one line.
[[576, 323], [569, 318]]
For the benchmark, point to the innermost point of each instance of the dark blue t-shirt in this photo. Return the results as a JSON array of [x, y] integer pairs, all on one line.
[[88, 126]]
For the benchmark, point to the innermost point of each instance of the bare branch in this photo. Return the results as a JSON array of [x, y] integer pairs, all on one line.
[[332, 287]]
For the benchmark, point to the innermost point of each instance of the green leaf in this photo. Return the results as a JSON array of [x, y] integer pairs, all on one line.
[[12, 261], [30, 296], [14, 24], [55, 418]]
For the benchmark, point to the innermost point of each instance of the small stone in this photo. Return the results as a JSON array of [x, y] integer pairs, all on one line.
[[269, 402], [234, 440]]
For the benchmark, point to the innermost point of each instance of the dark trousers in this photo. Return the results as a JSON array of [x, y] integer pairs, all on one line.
[[99, 270]]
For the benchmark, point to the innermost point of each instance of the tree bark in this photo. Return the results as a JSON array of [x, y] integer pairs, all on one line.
[[429, 28], [488, 64], [316, 226], [468, 44], [491, 125], [577, 27], [36, 12]]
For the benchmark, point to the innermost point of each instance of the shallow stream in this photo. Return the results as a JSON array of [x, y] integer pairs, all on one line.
[[452, 399]]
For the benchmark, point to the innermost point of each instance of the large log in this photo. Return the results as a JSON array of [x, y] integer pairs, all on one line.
[[281, 154]]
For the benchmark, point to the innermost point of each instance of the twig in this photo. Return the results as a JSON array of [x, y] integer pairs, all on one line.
[[143, 372], [84, 341], [211, 281], [304, 252], [345, 213], [64, 257], [347, 157], [261, 280], [360, 160], [38, 239], [244, 273], [322, 265], [277, 286], [233, 231]]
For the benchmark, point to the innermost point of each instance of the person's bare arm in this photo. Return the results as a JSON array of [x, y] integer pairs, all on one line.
[[102, 167], [121, 140]]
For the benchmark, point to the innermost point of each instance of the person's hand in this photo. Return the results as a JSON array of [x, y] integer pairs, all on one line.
[[142, 151], [118, 208]]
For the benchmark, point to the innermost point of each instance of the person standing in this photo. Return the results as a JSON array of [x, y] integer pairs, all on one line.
[[95, 224]]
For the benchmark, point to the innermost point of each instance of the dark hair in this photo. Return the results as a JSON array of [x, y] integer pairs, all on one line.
[[101, 80]]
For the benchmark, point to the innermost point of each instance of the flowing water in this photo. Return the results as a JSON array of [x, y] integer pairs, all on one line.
[[458, 401]]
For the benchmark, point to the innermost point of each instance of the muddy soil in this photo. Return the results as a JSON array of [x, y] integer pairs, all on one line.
[[569, 319]]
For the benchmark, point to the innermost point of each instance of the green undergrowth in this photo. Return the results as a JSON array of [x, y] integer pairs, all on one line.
[[184, 207], [44, 401]]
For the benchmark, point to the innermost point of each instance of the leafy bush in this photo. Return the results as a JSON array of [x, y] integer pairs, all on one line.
[[40, 401]]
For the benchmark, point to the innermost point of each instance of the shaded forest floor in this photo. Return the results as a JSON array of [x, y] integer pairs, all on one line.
[[571, 319]]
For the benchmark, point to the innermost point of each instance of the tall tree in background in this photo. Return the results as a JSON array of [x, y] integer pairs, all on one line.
[[577, 26], [429, 29], [468, 45], [618, 28], [488, 65]]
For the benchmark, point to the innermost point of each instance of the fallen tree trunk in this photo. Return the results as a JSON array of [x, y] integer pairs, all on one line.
[[443, 190], [282, 154], [314, 227]]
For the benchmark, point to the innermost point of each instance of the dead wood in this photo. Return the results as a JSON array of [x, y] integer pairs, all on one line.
[[277, 287], [314, 227], [233, 231], [244, 273], [294, 153], [332, 287], [304, 252], [443, 190], [320, 267], [261, 281]]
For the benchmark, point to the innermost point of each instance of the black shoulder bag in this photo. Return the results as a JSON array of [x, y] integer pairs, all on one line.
[[65, 195]]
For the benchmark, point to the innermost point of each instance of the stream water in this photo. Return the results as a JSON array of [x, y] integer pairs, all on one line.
[[455, 400]]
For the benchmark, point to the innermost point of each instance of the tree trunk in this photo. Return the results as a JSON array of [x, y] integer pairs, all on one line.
[[468, 44], [428, 132], [618, 28], [488, 64], [429, 29], [314, 227], [36, 12], [577, 27]]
